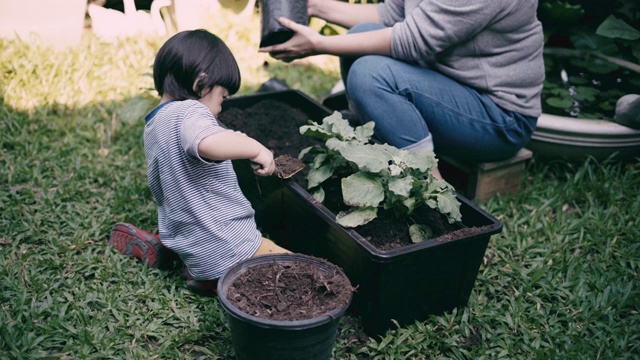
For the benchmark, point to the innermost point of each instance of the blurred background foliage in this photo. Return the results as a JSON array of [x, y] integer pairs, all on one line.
[[610, 27]]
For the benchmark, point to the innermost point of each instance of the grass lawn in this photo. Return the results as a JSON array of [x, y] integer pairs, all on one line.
[[561, 281]]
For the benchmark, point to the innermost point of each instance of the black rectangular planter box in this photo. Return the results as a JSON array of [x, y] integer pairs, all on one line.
[[404, 284]]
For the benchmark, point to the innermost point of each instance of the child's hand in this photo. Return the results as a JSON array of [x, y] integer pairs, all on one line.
[[264, 160]]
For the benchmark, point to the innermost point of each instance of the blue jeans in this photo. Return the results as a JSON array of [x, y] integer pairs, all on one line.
[[415, 107]]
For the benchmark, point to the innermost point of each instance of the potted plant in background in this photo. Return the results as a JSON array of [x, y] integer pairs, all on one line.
[[591, 57], [284, 306], [401, 284]]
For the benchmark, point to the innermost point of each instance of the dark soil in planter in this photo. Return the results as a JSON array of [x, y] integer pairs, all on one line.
[[386, 232], [276, 125], [289, 292]]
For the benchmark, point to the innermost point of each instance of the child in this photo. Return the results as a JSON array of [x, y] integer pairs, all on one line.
[[202, 215]]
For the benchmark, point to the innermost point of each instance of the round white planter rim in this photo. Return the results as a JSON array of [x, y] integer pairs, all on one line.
[[569, 125], [574, 138]]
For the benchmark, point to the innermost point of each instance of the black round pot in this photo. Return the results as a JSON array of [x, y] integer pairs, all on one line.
[[257, 338]]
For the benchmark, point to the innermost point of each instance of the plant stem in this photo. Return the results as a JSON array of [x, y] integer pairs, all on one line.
[[573, 52]]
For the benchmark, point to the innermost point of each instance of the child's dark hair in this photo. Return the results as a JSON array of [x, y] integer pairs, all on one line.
[[191, 55]]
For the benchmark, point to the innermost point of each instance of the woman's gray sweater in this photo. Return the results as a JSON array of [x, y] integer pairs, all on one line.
[[493, 46]]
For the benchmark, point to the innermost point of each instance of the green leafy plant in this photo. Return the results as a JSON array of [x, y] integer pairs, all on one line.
[[607, 27], [375, 176], [584, 85], [591, 55]]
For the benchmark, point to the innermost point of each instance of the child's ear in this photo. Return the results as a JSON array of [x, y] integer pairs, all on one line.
[[197, 81]]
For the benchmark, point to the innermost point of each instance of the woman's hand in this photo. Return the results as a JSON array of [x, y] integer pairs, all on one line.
[[303, 43], [306, 42]]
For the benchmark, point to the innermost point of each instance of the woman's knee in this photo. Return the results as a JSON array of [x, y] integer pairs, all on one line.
[[369, 74]]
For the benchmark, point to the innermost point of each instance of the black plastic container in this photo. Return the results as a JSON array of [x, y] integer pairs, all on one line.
[[257, 338], [405, 284], [271, 10]]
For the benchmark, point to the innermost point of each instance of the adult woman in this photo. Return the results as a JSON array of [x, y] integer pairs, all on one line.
[[462, 78]]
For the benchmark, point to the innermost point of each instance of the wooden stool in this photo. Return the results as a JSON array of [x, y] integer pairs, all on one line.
[[480, 181]]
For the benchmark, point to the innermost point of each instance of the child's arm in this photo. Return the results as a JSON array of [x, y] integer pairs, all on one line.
[[231, 145]]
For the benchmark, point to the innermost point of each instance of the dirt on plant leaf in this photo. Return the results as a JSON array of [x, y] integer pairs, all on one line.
[[289, 291], [287, 166], [276, 125]]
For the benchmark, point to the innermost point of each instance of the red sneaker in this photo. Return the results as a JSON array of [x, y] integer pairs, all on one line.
[[132, 241]]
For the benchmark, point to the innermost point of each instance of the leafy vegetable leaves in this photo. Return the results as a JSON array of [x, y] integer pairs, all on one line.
[[375, 175]]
